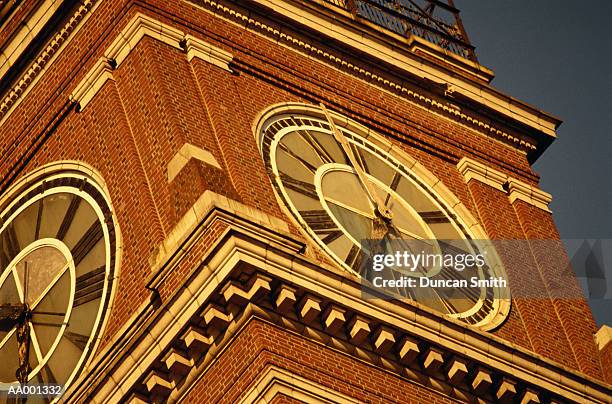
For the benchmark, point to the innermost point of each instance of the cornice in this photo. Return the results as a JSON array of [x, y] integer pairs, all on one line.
[[392, 52], [136, 29], [92, 83], [184, 155], [516, 189], [142, 25], [363, 71], [473, 170], [199, 218], [278, 285]]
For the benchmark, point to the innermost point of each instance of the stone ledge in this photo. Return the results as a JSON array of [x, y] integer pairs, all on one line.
[[516, 189], [209, 204], [184, 155], [603, 337]]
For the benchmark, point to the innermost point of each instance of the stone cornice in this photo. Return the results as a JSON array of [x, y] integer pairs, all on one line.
[[473, 170], [391, 52], [142, 25], [278, 285], [196, 47], [185, 154], [136, 29], [454, 89], [516, 189], [199, 218]]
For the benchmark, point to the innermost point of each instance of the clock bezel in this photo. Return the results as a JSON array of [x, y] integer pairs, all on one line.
[[416, 171], [94, 190]]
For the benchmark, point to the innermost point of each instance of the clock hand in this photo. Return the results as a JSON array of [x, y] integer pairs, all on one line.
[[381, 208]]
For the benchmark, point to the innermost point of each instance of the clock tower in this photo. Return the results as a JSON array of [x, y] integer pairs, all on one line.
[[194, 195]]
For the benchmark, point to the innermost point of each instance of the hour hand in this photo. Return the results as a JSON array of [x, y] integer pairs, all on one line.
[[381, 208]]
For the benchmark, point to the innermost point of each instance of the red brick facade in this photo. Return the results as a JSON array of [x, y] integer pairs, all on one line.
[[158, 101]]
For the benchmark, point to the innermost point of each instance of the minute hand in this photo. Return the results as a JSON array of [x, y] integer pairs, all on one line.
[[381, 207]]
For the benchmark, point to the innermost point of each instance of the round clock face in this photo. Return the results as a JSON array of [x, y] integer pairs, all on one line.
[[316, 175], [57, 244]]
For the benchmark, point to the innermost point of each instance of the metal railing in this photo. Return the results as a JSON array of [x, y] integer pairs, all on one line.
[[435, 21]]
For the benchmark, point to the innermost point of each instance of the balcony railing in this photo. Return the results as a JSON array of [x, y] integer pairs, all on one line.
[[435, 21]]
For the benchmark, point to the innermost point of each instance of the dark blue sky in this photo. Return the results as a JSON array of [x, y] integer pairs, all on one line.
[[557, 56]]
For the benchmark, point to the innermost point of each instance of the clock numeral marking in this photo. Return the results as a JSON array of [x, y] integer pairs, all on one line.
[[87, 242], [434, 217], [38, 219], [305, 163], [332, 236], [450, 273], [68, 217], [320, 222], [317, 147], [487, 306], [89, 286], [395, 181], [79, 340], [4, 261], [12, 243], [302, 187], [394, 184], [354, 258]]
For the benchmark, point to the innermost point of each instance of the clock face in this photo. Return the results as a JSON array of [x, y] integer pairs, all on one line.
[[316, 179], [57, 244]]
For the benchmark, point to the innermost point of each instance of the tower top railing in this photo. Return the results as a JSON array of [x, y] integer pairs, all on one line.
[[436, 21]]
